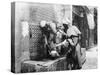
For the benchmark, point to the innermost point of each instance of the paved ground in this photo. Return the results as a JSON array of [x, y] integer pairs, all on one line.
[[91, 59]]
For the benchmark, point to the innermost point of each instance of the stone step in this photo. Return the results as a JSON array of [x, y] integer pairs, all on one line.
[[43, 66]]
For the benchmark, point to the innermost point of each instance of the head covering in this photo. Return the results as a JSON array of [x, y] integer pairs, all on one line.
[[53, 27], [59, 25], [43, 23]]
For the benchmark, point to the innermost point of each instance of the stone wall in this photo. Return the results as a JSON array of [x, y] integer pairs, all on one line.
[[59, 64], [32, 13]]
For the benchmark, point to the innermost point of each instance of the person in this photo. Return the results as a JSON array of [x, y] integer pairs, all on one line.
[[73, 37], [47, 28], [59, 37], [49, 32]]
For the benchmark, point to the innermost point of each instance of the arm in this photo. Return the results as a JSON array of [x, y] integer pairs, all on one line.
[[62, 43], [66, 42], [71, 42], [77, 30]]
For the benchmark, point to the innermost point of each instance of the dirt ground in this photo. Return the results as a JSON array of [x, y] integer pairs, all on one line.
[[91, 59]]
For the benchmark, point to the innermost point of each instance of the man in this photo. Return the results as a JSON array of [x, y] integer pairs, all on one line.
[[49, 33], [59, 37], [73, 37]]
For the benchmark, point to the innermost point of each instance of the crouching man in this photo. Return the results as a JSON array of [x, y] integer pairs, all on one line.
[[49, 32]]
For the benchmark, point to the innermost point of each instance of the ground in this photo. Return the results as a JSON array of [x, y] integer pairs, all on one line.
[[91, 58]]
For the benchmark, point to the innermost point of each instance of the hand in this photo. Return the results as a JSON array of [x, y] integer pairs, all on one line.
[[71, 42], [62, 32], [65, 43]]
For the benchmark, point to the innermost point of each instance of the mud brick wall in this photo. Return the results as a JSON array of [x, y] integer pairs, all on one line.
[[42, 12], [43, 66]]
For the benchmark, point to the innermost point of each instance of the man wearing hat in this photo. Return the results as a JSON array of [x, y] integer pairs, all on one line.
[[49, 32], [73, 37]]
